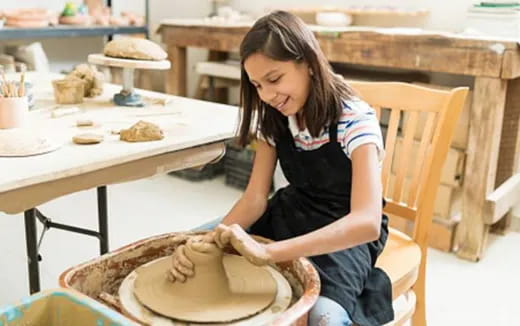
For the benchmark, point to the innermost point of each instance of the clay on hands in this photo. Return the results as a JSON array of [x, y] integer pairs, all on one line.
[[255, 252], [181, 266]]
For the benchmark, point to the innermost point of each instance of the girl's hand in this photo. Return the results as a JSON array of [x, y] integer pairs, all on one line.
[[181, 267], [256, 253]]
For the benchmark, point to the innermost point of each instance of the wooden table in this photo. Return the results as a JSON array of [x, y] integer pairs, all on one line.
[[191, 139], [494, 139]]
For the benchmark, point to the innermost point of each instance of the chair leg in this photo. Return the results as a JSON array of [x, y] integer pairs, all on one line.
[[419, 317], [211, 89]]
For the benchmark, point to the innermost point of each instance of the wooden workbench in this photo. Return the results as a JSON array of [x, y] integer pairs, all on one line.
[[191, 139], [493, 146]]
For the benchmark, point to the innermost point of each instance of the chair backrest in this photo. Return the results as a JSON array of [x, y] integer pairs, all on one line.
[[418, 124]]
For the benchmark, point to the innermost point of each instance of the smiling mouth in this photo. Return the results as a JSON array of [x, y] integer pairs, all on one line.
[[281, 105]]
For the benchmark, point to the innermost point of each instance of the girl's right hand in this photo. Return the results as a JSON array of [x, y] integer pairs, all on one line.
[[181, 267]]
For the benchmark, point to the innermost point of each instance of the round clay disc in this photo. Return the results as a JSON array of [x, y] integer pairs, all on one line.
[[133, 308], [22, 142], [88, 138], [252, 290]]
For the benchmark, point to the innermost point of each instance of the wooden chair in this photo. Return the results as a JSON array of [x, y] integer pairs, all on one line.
[[416, 177]]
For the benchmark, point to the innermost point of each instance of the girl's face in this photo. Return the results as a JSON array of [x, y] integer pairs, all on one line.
[[284, 85]]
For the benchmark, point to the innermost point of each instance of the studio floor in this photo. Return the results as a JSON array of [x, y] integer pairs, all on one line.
[[458, 292]]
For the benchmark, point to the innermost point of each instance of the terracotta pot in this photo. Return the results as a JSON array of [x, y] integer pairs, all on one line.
[[26, 23], [13, 112], [32, 17], [28, 13], [83, 20], [119, 21]]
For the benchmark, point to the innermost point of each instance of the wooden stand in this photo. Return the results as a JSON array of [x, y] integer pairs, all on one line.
[[127, 96]]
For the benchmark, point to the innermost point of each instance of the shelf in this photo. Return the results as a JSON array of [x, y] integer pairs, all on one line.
[[7, 33]]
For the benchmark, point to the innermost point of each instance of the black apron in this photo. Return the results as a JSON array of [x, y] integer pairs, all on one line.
[[319, 194]]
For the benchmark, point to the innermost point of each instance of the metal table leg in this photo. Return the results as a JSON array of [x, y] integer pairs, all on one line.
[[32, 250], [103, 219], [32, 242]]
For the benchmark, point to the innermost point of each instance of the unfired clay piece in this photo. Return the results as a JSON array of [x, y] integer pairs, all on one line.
[[92, 79], [88, 138], [142, 131], [224, 288], [84, 123], [68, 91], [134, 48]]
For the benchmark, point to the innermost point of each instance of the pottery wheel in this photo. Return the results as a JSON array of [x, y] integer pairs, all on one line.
[[22, 142], [260, 314]]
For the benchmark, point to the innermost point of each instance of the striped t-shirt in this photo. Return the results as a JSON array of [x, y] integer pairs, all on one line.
[[357, 125]]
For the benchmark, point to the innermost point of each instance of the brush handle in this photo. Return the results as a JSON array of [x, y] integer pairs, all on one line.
[[21, 87], [5, 90], [12, 89], [5, 85]]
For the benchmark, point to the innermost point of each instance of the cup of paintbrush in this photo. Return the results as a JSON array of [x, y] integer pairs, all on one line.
[[13, 112], [14, 106], [11, 88]]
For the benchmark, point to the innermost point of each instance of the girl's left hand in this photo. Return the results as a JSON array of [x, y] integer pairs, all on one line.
[[256, 253]]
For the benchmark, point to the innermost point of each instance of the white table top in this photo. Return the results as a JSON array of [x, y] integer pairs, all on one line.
[[185, 122]]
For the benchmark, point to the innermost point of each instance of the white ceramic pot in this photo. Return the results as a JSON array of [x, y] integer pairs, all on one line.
[[333, 19]]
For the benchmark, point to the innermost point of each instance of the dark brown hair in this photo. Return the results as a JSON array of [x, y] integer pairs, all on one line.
[[282, 36]]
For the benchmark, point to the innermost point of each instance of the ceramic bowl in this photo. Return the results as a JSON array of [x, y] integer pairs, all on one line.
[[333, 19]]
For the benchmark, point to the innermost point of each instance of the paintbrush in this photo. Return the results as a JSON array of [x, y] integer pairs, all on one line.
[[21, 87], [12, 89], [5, 87]]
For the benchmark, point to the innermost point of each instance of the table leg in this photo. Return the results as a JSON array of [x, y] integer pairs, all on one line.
[[508, 160], [485, 129], [32, 241], [221, 93], [32, 250], [102, 219], [176, 76]]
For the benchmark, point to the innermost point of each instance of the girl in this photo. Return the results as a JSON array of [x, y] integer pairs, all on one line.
[[329, 146]]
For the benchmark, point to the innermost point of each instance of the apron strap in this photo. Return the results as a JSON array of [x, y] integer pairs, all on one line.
[[333, 133]]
